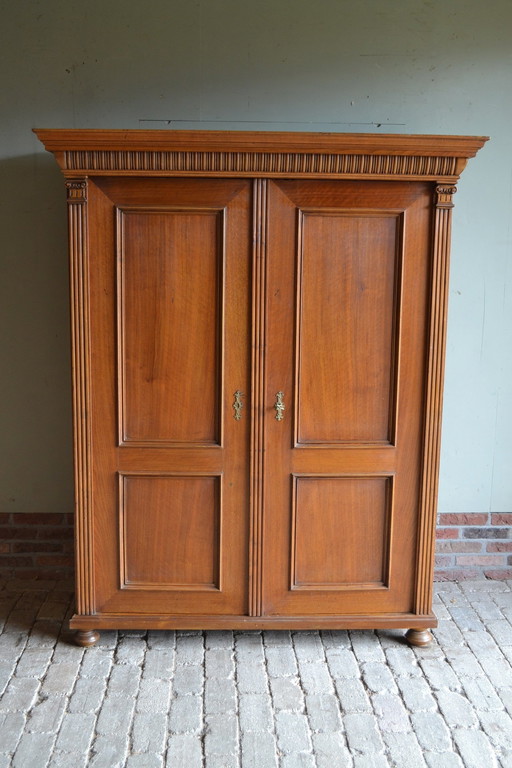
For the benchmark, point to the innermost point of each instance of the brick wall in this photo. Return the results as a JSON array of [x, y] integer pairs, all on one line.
[[474, 546], [468, 546], [36, 546]]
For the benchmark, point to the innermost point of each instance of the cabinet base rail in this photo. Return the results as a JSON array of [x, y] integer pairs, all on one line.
[[418, 626]]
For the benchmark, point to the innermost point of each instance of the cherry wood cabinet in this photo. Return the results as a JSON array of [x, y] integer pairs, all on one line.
[[258, 338]]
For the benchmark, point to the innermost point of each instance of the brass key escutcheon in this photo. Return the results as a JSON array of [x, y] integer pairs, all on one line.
[[238, 405], [279, 406]]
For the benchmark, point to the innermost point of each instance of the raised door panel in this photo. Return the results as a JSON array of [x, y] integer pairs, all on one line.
[[170, 293], [169, 276], [343, 518], [170, 532], [347, 297], [348, 277]]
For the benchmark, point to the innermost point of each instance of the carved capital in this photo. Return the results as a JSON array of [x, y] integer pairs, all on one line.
[[444, 194], [77, 191]]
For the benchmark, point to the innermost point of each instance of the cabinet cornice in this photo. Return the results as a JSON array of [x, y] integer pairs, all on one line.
[[249, 154]]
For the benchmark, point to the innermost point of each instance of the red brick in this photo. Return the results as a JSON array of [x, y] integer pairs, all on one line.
[[456, 574], [28, 573], [54, 533], [39, 518], [480, 560], [467, 546], [4, 518], [37, 546], [5, 547], [462, 519], [444, 546], [53, 571], [8, 532], [15, 560], [486, 533], [55, 560], [501, 519], [447, 533], [499, 546], [501, 574], [443, 561]]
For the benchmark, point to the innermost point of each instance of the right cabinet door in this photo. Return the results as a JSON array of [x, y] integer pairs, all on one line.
[[347, 321]]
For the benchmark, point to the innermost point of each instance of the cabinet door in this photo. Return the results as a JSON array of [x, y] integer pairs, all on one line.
[[347, 295], [169, 281]]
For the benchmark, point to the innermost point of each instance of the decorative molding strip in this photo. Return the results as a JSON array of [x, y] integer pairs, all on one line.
[[77, 210], [258, 395], [434, 398], [268, 163]]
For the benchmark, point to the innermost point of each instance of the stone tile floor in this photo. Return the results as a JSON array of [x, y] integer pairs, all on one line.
[[256, 700]]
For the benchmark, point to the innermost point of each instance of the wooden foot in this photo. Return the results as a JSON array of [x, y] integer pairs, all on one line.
[[419, 637], [86, 637]]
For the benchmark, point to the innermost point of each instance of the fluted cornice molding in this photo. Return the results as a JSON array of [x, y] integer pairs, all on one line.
[[270, 154]]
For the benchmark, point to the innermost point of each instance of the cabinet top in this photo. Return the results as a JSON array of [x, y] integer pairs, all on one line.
[[255, 153]]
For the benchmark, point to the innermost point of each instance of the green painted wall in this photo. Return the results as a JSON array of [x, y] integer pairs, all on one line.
[[370, 65]]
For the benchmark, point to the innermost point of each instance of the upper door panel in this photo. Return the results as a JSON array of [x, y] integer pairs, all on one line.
[[349, 293], [171, 277]]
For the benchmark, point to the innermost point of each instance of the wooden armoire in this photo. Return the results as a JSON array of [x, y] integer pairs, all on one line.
[[258, 326]]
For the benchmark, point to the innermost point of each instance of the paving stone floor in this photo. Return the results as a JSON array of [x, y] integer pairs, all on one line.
[[256, 699]]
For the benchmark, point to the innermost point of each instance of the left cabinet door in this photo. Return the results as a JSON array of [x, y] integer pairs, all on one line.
[[168, 265]]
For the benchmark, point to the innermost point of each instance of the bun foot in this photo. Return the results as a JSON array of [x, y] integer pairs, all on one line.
[[419, 637], [87, 637]]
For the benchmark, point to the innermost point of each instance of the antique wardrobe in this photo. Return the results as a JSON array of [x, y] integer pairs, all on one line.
[[258, 325]]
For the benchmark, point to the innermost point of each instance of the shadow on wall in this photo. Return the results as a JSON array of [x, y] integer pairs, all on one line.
[[35, 428]]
